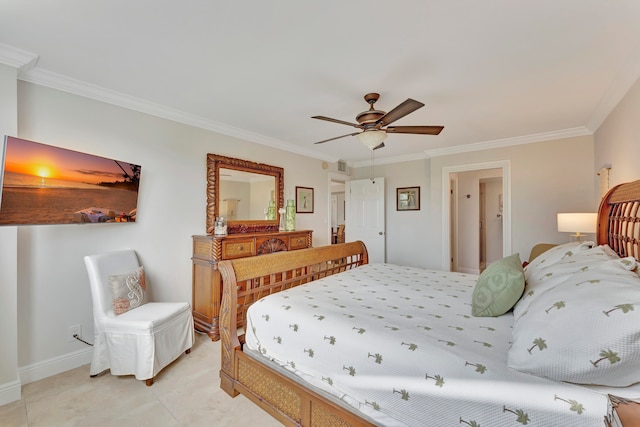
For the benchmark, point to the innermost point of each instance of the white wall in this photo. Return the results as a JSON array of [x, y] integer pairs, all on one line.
[[546, 178], [9, 382], [617, 141], [52, 288], [241, 193], [406, 234], [261, 195]]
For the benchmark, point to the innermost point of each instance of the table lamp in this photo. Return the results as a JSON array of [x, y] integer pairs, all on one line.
[[577, 223]]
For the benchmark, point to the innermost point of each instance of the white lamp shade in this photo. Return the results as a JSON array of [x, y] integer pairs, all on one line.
[[577, 222], [372, 138]]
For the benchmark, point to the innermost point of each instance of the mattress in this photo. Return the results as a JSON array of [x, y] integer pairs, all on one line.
[[399, 345]]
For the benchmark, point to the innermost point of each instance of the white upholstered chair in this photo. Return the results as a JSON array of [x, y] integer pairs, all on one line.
[[142, 340]]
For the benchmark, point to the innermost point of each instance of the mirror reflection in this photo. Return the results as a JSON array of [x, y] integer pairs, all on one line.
[[244, 193], [246, 196]]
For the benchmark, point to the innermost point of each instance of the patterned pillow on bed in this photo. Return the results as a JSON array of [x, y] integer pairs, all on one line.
[[555, 254], [129, 290], [498, 288], [550, 276], [585, 330]]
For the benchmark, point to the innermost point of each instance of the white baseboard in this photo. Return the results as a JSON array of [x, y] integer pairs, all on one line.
[[56, 365], [469, 270], [10, 392]]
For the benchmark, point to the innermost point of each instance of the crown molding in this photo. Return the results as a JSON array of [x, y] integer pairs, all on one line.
[[509, 142], [479, 146], [25, 62], [17, 58], [66, 84]]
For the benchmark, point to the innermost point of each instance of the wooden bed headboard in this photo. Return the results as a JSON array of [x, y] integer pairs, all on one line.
[[619, 219]]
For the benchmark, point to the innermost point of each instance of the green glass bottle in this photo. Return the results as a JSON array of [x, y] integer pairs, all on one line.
[[290, 216]]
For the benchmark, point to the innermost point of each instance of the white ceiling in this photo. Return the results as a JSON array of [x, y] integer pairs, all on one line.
[[493, 72]]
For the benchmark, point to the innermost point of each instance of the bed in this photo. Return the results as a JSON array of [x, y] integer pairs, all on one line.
[[339, 341]]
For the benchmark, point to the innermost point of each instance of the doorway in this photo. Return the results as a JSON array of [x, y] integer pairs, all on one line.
[[337, 204], [490, 224], [476, 215]]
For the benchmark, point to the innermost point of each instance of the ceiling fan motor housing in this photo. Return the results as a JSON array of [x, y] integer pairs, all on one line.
[[369, 117], [372, 115]]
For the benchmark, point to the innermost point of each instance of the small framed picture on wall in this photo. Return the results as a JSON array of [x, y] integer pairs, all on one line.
[[304, 200], [408, 198]]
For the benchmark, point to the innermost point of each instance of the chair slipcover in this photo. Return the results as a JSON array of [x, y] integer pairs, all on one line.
[[141, 341]]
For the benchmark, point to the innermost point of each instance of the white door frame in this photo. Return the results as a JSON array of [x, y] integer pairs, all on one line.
[[331, 177], [505, 165]]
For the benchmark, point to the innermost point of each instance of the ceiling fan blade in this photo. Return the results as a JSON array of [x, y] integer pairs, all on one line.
[[420, 130], [408, 106], [337, 137], [342, 122], [379, 146]]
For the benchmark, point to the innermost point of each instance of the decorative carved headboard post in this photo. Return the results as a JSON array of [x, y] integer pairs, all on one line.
[[619, 219]]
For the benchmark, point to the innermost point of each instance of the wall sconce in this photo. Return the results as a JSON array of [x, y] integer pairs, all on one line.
[[577, 223]]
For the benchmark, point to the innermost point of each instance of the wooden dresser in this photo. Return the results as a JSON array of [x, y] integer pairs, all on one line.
[[208, 250]]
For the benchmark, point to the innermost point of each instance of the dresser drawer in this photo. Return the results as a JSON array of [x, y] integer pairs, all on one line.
[[298, 242], [238, 248]]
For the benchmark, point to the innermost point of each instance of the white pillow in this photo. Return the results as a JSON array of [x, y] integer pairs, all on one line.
[[585, 330], [554, 255], [551, 275]]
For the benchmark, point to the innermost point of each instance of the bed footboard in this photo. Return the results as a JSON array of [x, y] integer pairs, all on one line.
[[247, 280]]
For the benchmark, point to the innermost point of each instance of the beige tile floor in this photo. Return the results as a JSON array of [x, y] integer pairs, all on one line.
[[186, 393]]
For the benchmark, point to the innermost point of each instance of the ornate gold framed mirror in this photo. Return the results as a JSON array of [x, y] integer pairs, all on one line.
[[247, 194]]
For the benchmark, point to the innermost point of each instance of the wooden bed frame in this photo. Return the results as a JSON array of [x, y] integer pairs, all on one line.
[[245, 281], [249, 279]]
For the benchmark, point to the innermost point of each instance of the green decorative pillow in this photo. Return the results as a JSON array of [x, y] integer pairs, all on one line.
[[498, 288]]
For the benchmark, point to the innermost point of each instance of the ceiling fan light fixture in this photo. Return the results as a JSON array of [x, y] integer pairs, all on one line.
[[372, 138]]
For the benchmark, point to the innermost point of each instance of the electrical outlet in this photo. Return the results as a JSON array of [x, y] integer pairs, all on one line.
[[74, 330]]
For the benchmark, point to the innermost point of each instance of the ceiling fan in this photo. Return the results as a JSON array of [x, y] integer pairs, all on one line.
[[374, 124]]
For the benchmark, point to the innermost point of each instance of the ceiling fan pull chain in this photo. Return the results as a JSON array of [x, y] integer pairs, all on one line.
[[371, 171]]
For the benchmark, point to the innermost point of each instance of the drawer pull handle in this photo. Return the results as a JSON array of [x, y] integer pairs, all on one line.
[[240, 248]]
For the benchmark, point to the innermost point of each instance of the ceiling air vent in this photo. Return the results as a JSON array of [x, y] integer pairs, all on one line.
[[342, 166]]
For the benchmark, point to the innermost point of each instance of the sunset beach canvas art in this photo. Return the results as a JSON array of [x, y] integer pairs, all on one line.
[[43, 184]]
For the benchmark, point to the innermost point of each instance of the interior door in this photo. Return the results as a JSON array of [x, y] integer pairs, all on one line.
[[365, 216]]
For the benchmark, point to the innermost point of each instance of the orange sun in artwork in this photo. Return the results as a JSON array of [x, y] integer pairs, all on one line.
[[44, 172]]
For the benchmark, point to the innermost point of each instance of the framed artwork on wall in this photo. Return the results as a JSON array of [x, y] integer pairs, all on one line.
[[44, 184], [304, 200], [408, 198]]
